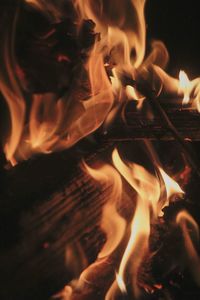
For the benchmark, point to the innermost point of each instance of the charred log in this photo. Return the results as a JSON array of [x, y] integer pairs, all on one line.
[[138, 124], [47, 206]]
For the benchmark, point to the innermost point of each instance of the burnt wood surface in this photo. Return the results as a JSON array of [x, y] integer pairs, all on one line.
[[49, 206], [134, 124]]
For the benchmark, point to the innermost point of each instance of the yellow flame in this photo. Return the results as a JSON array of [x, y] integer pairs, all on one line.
[[122, 19], [148, 195], [132, 94], [185, 86], [121, 283], [183, 218], [171, 186], [66, 121], [111, 222]]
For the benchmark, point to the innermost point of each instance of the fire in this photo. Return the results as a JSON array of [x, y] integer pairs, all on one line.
[[147, 188], [171, 186], [190, 228], [121, 23], [185, 86], [111, 223], [148, 196], [44, 123], [190, 88], [55, 124], [121, 284]]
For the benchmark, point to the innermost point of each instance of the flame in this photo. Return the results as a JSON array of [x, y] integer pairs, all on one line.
[[116, 61], [185, 86], [121, 284], [11, 89], [183, 219], [56, 124], [50, 125], [168, 185], [121, 23], [148, 194], [171, 186], [147, 209], [111, 223]]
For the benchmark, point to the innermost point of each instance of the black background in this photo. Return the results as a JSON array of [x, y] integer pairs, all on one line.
[[177, 24]]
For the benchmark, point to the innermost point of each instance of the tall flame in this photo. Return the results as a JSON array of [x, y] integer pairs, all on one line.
[[10, 88], [55, 124], [171, 186], [184, 219], [121, 23], [148, 194], [148, 208], [185, 86], [112, 223]]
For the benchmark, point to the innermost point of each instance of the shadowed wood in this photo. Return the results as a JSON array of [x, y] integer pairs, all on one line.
[[37, 229], [137, 125]]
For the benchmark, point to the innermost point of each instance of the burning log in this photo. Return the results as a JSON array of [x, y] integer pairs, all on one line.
[[134, 124], [48, 206], [43, 204], [50, 210]]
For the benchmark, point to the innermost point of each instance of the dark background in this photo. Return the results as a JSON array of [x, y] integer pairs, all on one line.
[[177, 24]]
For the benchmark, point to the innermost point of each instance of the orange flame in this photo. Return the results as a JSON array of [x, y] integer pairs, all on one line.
[[56, 124], [148, 195], [147, 209], [183, 218], [122, 28], [65, 121], [112, 223], [121, 23], [185, 86], [190, 88], [11, 89], [171, 186], [121, 284]]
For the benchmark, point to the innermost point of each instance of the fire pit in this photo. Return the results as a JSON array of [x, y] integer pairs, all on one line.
[[99, 161]]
